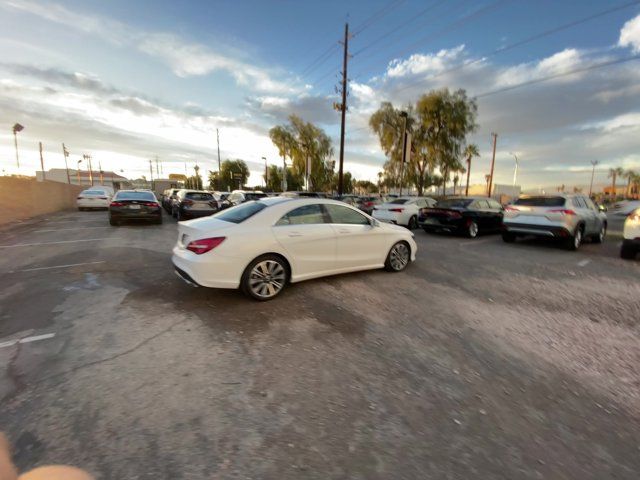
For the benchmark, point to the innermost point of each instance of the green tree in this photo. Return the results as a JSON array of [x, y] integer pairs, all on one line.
[[194, 182], [439, 124], [470, 151], [630, 175], [274, 179], [614, 173], [228, 172]]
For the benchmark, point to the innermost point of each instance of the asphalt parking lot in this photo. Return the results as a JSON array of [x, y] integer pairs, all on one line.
[[482, 360]]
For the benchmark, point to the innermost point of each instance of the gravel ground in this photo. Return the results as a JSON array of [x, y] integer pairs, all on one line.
[[482, 360]]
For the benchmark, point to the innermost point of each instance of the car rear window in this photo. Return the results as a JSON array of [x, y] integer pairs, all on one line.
[[94, 192], [241, 212], [135, 196], [540, 201], [254, 196], [199, 196], [454, 203]]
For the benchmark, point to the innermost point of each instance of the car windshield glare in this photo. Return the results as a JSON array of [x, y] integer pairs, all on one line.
[[540, 201], [454, 203], [135, 196], [241, 212]]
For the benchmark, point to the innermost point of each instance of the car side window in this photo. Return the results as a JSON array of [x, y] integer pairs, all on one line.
[[578, 203], [345, 215], [422, 203], [306, 215]]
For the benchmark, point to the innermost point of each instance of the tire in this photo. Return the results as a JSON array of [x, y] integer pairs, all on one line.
[[413, 223], [265, 277], [113, 223], [628, 252], [574, 241], [599, 237], [398, 257], [472, 230], [508, 237]]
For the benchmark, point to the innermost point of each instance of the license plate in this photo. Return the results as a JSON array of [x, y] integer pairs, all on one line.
[[134, 207], [432, 221]]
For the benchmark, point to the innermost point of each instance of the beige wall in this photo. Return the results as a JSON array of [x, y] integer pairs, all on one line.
[[23, 198]]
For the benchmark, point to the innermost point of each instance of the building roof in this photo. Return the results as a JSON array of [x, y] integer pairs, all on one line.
[[85, 173]]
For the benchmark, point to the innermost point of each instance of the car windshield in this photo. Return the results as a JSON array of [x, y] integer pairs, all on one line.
[[241, 212], [454, 203], [135, 196], [399, 201], [199, 196], [540, 201]]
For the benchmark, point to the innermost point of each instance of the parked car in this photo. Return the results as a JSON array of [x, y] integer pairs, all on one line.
[[352, 200], [193, 204], [625, 207], [299, 194], [134, 205], [94, 197], [261, 246], [570, 218], [631, 233], [466, 215], [402, 211], [240, 196], [168, 198], [366, 204]]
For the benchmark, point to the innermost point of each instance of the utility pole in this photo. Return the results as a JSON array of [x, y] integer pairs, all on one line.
[[493, 162], [151, 170], [157, 168], [218, 140], [65, 154], [593, 171], [41, 161], [101, 172], [88, 159], [404, 147], [343, 107], [466, 190], [17, 128]]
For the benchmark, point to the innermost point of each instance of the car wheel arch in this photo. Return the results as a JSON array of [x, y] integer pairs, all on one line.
[[284, 258]]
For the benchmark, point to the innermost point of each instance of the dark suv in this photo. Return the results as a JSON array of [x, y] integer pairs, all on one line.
[[193, 203]]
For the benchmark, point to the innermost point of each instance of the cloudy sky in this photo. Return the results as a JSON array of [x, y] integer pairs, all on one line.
[[128, 81]]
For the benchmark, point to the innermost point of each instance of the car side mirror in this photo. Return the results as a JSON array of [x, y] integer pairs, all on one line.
[[374, 223]]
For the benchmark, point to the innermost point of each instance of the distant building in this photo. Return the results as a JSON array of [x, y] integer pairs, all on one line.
[[83, 177]]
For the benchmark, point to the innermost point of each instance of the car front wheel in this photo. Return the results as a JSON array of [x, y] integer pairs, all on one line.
[[472, 230], [265, 277], [574, 241], [398, 257], [599, 237]]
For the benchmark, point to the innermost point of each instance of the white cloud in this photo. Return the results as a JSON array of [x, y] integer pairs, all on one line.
[[558, 63], [630, 35], [183, 57], [420, 63]]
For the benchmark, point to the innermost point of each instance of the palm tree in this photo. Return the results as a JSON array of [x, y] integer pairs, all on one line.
[[630, 175], [470, 151], [614, 173]]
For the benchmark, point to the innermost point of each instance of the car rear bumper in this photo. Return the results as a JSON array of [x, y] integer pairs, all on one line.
[[556, 231], [196, 213], [207, 270], [428, 223], [135, 215], [93, 203], [633, 243]]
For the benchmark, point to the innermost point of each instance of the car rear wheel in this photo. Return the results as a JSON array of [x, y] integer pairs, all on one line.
[[574, 241], [508, 237], [265, 277], [472, 230], [398, 257], [628, 252], [413, 223]]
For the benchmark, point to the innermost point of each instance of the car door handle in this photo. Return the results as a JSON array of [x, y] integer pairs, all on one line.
[[295, 234]]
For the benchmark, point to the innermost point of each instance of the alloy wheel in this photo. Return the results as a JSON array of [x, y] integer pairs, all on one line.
[[473, 229], [399, 256], [602, 234], [267, 278], [577, 238]]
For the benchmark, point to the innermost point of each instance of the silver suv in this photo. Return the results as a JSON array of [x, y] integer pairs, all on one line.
[[571, 218]]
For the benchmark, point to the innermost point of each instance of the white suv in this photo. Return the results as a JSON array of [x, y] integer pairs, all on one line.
[[631, 242]]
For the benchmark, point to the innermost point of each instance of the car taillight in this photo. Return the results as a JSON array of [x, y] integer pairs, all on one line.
[[150, 204], [398, 210], [187, 202], [80, 198], [204, 245], [454, 214], [562, 211], [509, 208], [116, 204]]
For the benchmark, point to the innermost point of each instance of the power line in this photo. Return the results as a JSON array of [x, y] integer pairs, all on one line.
[[321, 59], [558, 75], [452, 26], [374, 18], [524, 41]]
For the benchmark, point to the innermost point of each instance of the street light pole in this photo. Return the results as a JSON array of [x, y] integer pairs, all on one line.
[[404, 146], [17, 128], [78, 172], [593, 171], [515, 171]]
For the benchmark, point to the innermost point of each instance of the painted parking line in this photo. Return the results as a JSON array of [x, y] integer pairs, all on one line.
[[56, 266], [67, 229], [55, 243], [34, 338]]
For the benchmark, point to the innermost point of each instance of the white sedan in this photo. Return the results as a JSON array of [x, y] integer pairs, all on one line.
[[402, 211], [631, 242], [260, 246], [94, 197]]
